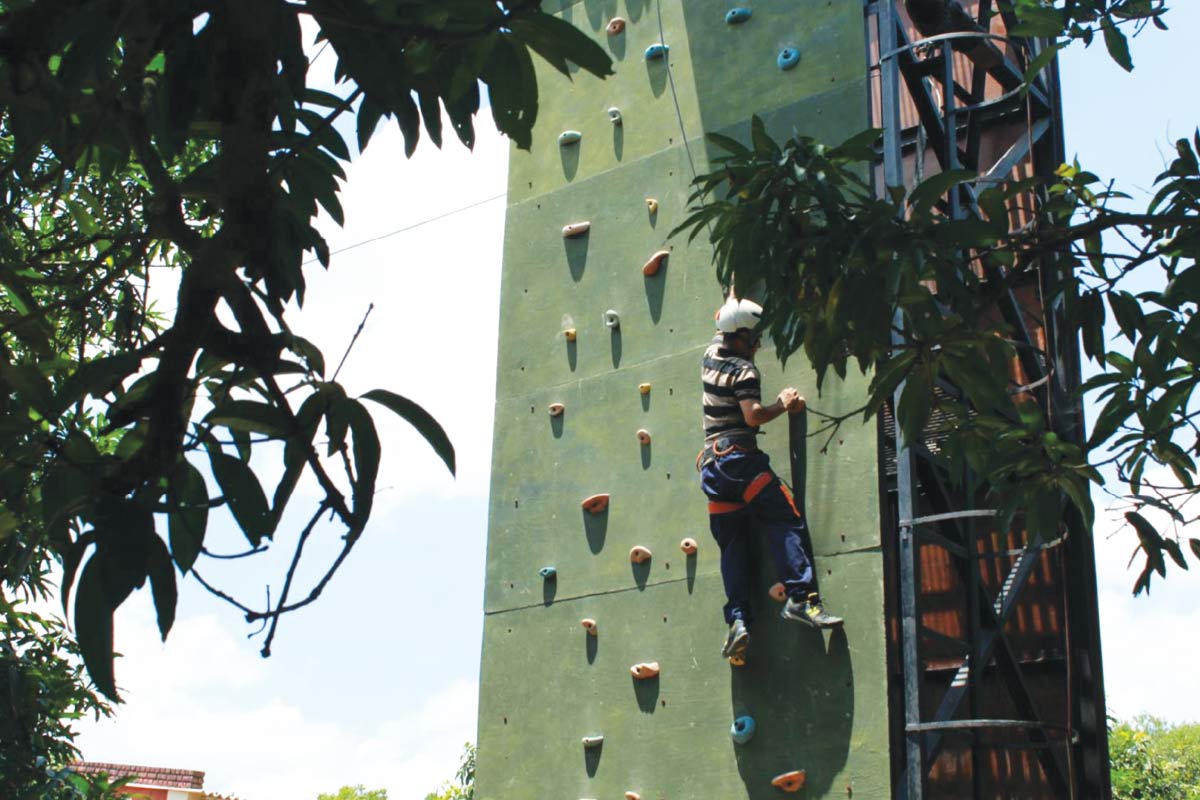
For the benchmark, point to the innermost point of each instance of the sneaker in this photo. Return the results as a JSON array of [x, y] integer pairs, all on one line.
[[810, 612], [736, 640]]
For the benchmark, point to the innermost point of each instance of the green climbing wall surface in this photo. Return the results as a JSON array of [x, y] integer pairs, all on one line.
[[819, 699]]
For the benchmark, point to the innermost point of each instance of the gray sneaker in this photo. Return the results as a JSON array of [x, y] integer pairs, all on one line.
[[736, 640], [810, 612]]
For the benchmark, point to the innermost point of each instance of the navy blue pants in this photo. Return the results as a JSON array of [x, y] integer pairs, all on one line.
[[747, 499]]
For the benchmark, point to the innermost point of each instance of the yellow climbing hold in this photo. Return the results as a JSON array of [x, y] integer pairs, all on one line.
[[644, 671]]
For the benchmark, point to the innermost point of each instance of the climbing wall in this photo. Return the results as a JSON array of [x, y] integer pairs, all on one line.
[[598, 393]]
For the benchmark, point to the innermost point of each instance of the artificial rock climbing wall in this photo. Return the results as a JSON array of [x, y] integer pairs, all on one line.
[[626, 422]]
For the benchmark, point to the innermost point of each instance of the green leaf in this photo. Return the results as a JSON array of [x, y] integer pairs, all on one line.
[[1195, 545], [512, 89], [187, 520], [1041, 62], [420, 419], [557, 40], [252, 417], [366, 459], [94, 627], [1151, 541], [1173, 549], [887, 377], [922, 198], [1118, 46], [244, 496], [162, 584], [71, 561]]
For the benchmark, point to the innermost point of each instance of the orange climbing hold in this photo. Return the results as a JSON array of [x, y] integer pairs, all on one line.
[[639, 554], [589, 625], [643, 436], [655, 263], [570, 334], [778, 592], [575, 229], [737, 661], [790, 781], [596, 503], [557, 409], [644, 671], [616, 25], [644, 388], [689, 546], [632, 796]]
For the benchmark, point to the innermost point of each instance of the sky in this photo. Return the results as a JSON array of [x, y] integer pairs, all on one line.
[[376, 683]]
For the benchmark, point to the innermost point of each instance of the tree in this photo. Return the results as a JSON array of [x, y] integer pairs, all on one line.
[[463, 785], [358, 792], [888, 280], [1152, 760], [185, 135], [42, 691]]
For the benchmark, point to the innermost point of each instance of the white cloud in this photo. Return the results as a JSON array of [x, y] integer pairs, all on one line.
[[207, 702]]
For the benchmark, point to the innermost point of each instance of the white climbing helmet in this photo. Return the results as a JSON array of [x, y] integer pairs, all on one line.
[[737, 314]]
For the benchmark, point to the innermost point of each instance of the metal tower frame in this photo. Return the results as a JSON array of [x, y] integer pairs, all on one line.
[[1073, 756]]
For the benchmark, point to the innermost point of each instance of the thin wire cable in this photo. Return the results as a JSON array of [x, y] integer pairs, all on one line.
[[373, 239], [662, 38]]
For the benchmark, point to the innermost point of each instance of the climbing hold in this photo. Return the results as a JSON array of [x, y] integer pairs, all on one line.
[[557, 409], [689, 546], [640, 554], [644, 436], [778, 592], [790, 781], [575, 229], [644, 388], [569, 333], [657, 51], [593, 741], [652, 205], [632, 796], [612, 319], [742, 730], [548, 572], [589, 625], [737, 661], [569, 137], [596, 503], [614, 116], [788, 58], [655, 263], [644, 671], [615, 25], [737, 16]]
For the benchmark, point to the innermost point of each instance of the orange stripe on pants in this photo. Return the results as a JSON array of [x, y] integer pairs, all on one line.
[[760, 482]]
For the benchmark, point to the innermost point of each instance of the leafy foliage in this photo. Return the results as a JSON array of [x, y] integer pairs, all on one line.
[[1152, 760], [42, 691], [463, 785], [141, 137], [358, 792], [894, 284]]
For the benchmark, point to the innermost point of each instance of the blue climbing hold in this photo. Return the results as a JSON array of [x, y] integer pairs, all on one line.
[[737, 16], [742, 730], [788, 58], [657, 51], [548, 572]]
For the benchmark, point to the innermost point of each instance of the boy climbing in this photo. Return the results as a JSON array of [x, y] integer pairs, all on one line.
[[746, 497]]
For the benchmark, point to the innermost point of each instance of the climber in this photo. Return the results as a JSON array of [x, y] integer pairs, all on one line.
[[746, 497]]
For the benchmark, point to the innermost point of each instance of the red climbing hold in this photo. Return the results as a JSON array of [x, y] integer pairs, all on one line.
[[616, 25], [644, 671], [655, 263], [689, 546], [575, 229], [778, 593], [557, 409], [644, 436], [639, 554], [596, 503], [589, 625], [790, 781]]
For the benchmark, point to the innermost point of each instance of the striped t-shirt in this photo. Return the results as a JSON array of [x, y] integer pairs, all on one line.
[[728, 379]]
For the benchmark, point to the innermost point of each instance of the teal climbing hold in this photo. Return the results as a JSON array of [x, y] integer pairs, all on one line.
[[742, 730], [569, 137], [657, 51], [737, 16], [788, 58], [548, 572]]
